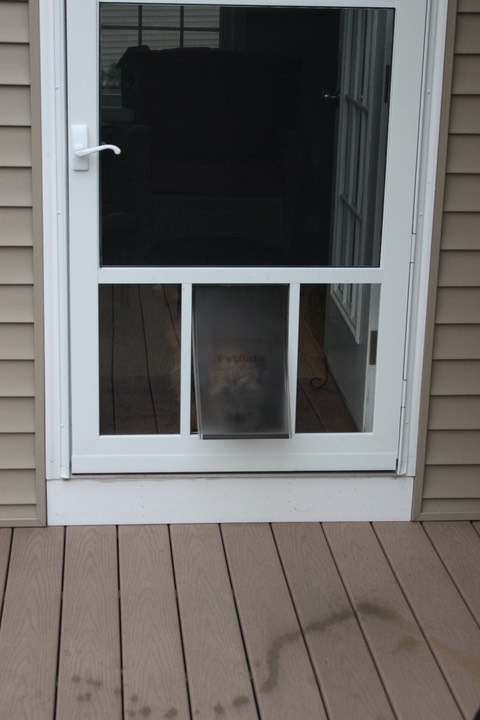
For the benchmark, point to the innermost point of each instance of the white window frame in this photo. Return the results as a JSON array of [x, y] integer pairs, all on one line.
[[316, 497]]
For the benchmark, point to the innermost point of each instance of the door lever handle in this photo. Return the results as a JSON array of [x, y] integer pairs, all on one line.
[[98, 148], [81, 149]]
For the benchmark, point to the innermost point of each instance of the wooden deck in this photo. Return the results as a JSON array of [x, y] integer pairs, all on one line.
[[294, 621]]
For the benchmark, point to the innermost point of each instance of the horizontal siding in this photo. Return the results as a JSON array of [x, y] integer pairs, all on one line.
[[455, 413], [17, 414], [467, 6], [15, 147], [16, 303], [457, 342], [14, 64], [460, 481], [461, 231], [16, 187], [465, 114], [459, 269], [462, 193], [461, 447], [451, 508], [15, 106], [17, 487], [20, 478], [455, 377], [19, 515], [467, 36], [16, 378], [16, 341], [452, 472], [17, 451], [16, 266], [466, 75], [458, 305], [16, 227], [14, 22], [464, 154]]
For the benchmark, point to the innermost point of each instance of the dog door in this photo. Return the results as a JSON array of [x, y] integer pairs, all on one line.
[[240, 361]]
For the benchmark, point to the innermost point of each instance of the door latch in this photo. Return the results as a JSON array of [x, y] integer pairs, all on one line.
[[80, 149]]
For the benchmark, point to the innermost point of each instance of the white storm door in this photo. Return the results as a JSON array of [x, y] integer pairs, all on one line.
[[233, 200]]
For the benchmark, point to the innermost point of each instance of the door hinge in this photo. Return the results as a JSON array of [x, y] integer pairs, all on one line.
[[372, 354]]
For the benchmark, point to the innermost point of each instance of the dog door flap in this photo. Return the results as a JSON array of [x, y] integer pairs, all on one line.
[[240, 361]]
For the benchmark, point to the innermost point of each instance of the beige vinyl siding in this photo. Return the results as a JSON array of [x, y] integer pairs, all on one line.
[[22, 490], [452, 455]]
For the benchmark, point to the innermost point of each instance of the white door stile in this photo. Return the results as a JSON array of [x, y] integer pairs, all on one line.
[[292, 351], [186, 360]]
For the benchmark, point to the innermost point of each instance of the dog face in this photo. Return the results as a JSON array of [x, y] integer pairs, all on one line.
[[236, 393]]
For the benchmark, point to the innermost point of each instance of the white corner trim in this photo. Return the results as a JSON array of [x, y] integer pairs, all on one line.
[[54, 198], [432, 88], [140, 500]]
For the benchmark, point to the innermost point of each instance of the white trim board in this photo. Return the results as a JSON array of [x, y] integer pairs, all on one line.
[[209, 499]]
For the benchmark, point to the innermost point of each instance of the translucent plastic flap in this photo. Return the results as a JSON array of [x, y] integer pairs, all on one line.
[[240, 361]]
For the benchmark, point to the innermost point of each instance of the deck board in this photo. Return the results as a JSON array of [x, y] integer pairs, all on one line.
[[153, 666], [411, 676], [30, 625], [89, 683], [448, 625], [458, 545], [5, 545], [282, 674], [257, 622], [218, 674], [349, 681], [134, 411]]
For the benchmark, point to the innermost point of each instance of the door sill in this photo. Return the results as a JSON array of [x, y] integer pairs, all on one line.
[[154, 499]]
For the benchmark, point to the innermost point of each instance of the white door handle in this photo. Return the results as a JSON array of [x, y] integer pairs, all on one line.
[[98, 148], [81, 150]]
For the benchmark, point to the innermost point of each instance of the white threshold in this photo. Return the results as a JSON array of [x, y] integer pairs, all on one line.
[[127, 500]]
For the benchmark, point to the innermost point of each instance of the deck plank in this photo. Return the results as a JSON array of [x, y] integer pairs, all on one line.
[[458, 545], [161, 318], [282, 674], [153, 668], [5, 545], [30, 625], [349, 680], [134, 411], [448, 625], [217, 669], [408, 669], [89, 683], [105, 357]]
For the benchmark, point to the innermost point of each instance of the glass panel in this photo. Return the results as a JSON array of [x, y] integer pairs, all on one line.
[[139, 359], [336, 358], [233, 151]]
